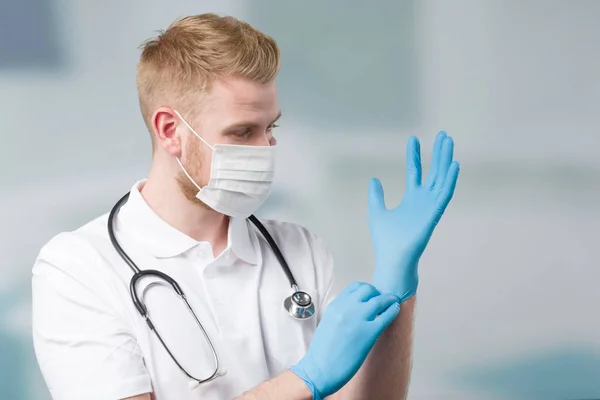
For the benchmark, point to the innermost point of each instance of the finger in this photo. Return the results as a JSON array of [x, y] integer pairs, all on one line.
[[449, 184], [413, 163], [435, 158], [386, 317], [444, 163], [378, 304], [365, 292], [376, 199]]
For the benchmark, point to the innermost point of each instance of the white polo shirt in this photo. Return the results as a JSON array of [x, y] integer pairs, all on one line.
[[91, 342]]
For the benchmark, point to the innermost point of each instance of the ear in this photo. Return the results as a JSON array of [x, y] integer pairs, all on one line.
[[167, 128]]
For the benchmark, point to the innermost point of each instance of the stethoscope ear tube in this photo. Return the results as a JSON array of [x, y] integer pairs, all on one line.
[[111, 233], [276, 251]]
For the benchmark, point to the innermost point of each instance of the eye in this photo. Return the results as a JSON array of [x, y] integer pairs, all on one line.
[[270, 128], [242, 133]]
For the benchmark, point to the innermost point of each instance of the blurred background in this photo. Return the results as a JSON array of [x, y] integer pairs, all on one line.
[[508, 301]]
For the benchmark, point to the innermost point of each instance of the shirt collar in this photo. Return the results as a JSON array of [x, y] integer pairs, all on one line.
[[141, 223]]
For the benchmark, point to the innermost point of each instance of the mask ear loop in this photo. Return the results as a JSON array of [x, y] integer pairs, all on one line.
[[192, 129], [199, 137], [188, 175]]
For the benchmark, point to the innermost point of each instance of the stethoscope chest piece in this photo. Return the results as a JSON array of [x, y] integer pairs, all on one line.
[[299, 305]]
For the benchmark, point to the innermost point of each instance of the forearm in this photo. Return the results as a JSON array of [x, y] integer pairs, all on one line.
[[385, 374], [286, 386]]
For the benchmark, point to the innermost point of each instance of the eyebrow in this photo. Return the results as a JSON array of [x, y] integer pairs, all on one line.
[[276, 119], [249, 124]]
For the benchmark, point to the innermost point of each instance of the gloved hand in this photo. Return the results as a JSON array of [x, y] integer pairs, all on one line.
[[401, 234], [350, 325]]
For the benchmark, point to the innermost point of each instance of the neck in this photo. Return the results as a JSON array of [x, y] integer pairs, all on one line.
[[163, 195]]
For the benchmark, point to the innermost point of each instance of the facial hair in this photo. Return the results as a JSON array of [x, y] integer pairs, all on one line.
[[192, 162]]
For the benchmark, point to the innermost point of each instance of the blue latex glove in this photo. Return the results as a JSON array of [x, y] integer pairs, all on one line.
[[350, 325], [400, 235]]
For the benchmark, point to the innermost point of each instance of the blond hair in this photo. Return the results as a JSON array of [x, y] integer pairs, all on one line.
[[186, 58]]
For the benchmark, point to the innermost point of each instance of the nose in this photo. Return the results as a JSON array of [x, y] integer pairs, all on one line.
[[266, 140]]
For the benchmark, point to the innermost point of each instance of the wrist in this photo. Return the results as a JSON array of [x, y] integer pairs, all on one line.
[[301, 389], [402, 282], [303, 372], [403, 293]]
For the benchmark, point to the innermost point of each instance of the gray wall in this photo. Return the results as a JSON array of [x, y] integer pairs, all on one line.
[[507, 306]]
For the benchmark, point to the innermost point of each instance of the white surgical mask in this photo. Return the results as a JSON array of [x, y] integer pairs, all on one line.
[[240, 177]]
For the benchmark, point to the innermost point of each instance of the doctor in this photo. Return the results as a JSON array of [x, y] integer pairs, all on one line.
[[208, 97]]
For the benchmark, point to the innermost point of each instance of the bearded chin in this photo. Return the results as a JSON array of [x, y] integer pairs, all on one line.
[[194, 164], [188, 189]]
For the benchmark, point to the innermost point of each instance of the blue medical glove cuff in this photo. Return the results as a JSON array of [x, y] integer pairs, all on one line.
[[404, 291], [407, 295], [387, 280], [302, 374]]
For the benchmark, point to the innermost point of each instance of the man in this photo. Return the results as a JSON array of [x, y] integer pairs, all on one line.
[[208, 97]]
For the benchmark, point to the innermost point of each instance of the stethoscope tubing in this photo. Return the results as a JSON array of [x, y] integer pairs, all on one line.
[[139, 274]]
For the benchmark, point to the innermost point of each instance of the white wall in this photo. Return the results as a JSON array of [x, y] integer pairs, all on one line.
[[508, 300]]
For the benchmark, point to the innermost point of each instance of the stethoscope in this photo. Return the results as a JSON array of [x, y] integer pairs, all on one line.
[[299, 304]]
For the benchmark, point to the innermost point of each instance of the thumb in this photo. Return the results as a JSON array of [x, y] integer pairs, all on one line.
[[384, 319], [376, 200]]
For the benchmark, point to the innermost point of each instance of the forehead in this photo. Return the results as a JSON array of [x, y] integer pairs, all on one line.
[[234, 95]]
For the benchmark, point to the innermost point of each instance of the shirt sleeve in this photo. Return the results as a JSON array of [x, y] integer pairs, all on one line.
[[85, 349]]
